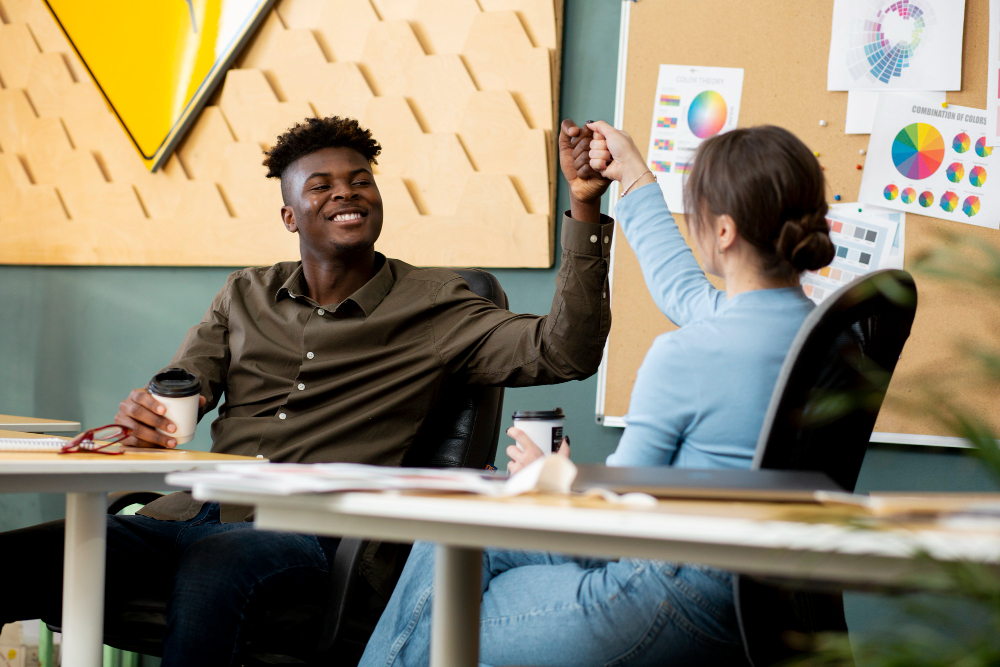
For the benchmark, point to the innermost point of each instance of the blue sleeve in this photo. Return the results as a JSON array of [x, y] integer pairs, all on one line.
[[663, 406], [676, 282]]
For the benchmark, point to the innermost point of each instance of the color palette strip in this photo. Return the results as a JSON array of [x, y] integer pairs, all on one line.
[[670, 100], [682, 168], [666, 122], [663, 144], [660, 166]]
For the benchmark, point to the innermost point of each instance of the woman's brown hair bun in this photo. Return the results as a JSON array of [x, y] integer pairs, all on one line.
[[805, 243]]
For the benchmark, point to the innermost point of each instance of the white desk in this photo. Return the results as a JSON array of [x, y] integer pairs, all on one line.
[[86, 480], [37, 425], [801, 541]]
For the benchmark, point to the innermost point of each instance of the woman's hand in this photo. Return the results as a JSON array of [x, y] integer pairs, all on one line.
[[614, 154], [521, 456]]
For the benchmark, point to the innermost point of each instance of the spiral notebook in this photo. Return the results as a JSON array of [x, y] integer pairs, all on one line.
[[31, 444]]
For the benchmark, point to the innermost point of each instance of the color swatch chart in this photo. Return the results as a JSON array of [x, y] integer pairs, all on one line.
[[933, 161], [863, 243], [691, 104]]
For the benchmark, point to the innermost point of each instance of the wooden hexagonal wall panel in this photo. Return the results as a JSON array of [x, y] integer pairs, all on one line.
[[462, 94]]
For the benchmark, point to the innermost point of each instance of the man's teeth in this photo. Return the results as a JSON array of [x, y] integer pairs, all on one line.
[[342, 217]]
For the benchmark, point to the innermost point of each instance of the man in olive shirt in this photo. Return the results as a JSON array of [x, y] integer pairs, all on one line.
[[338, 357]]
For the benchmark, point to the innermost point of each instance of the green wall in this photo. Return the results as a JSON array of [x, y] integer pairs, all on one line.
[[74, 341]]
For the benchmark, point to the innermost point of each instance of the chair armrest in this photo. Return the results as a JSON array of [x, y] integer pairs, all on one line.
[[119, 500], [343, 570]]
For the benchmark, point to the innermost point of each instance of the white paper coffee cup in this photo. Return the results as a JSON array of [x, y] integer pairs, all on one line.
[[179, 392], [544, 427]]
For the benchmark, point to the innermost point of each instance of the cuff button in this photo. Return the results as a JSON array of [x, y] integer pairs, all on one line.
[[593, 238]]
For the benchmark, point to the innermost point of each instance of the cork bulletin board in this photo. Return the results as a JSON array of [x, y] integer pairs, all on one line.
[[783, 46]]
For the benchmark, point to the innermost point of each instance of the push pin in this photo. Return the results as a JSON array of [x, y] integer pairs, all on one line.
[[816, 153], [862, 151], [822, 123], [859, 167], [836, 197], [944, 105], [859, 210]]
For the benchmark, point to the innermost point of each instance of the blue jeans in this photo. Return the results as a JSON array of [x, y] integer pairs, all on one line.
[[219, 580], [540, 608]]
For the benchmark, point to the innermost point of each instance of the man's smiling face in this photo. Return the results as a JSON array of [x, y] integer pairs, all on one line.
[[332, 201]]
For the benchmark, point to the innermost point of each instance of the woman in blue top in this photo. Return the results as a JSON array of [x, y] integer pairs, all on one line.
[[757, 217]]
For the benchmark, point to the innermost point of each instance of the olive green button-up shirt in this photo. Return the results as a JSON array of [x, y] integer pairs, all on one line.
[[354, 381]]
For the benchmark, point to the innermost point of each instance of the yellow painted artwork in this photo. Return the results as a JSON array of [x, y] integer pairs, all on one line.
[[156, 62]]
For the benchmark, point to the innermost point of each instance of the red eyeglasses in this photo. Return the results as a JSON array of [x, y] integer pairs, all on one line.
[[110, 434]]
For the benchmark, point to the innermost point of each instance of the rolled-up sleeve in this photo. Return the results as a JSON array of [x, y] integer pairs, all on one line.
[[493, 346]]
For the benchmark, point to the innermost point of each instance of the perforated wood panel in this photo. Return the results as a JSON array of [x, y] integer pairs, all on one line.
[[462, 95], [783, 46]]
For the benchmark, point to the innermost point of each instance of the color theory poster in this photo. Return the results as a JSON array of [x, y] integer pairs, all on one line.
[[896, 45], [691, 104], [932, 161]]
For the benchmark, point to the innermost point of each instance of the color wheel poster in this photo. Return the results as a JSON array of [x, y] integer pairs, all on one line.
[[932, 161], [896, 45], [691, 104]]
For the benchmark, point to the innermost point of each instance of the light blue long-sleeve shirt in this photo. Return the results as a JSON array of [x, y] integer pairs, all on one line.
[[701, 393]]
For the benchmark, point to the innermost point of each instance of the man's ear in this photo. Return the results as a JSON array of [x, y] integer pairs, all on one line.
[[288, 217], [725, 232]]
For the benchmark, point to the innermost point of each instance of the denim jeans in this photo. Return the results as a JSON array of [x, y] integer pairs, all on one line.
[[218, 579], [540, 608]]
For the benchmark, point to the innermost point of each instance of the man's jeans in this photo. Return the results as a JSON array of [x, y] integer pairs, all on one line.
[[546, 609], [218, 579]]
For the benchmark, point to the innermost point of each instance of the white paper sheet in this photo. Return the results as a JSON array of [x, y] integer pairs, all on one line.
[[691, 104], [993, 75], [898, 249], [861, 106], [932, 161], [864, 240], [896, 45]]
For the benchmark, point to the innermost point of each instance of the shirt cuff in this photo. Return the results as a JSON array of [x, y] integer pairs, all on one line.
[[588, 238]]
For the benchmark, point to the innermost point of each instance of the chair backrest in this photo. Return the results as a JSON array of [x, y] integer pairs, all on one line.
[[835, 377], [821, 417], [463, 428]]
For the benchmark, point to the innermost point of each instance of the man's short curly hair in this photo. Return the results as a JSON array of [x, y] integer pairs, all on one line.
[[314, 134]]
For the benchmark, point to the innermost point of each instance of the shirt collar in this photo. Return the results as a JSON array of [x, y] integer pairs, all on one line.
[[368, 297]]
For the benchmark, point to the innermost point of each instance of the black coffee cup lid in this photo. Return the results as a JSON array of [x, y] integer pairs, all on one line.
[[175, 383], [540, 414]]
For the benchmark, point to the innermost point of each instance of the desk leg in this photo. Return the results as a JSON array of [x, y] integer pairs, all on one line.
[[458, 575], [83, 579]]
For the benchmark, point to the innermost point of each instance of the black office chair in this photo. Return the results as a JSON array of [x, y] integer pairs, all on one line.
[[462, 431], [821, 417]]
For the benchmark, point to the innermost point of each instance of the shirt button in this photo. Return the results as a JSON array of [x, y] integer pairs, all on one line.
[[593, 238], [281, 415], [321, 312], [301, 386], [607, 238], [309, 355], [604, 294]]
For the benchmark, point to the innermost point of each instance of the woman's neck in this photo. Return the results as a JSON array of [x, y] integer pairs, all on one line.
[[745, 278]]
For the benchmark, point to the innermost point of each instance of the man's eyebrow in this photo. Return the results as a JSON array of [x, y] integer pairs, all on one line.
[[360, 170]]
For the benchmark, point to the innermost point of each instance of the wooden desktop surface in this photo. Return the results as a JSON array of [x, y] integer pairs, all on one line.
[[33, 424]]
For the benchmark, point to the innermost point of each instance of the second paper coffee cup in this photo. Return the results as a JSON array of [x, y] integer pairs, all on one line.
[[179, 393], [544, 427]]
